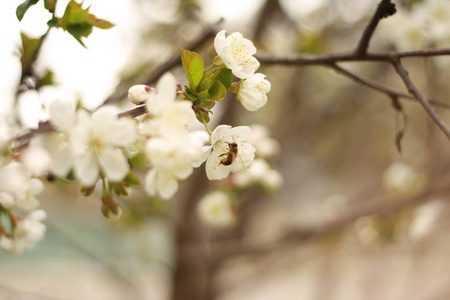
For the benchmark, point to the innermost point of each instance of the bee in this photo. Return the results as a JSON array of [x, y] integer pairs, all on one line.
[[230, 156]]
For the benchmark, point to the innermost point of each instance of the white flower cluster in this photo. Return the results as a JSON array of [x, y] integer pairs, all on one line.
[[236, 53], [426, 24], [86, 147]]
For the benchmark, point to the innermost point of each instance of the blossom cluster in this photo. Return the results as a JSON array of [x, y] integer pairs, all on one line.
[[426, 24], [86, 147]]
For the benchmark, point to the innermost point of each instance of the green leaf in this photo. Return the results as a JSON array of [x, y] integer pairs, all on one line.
[[189, 93], [132, 179], [217, 91], [79, 22], [206, 103], [196, 102], [194, 67], [225, 76], [50, 5], [202, 115], [29, 47], [99, 23], [22, 8], [205, 84]]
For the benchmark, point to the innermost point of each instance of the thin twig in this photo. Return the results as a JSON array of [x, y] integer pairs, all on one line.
[[379, 87], [401, 71], [385, 8]]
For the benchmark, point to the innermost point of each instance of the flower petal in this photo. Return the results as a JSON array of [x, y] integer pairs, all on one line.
[[87, 169], [222, 132], [215, 170], [241, 133], [150, 182], [167, 184], [114, 164]]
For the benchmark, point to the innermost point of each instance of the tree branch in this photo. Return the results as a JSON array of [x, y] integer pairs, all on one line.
[[401, 71], [385, 9], [379, 87]]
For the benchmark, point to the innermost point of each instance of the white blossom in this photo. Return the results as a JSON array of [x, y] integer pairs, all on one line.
[[36, 159], [401, 179], [18, 188], [167, 114], [26, 233], [236, 53], [266, 147], [424, 219], [219, 157], [215, 209], [252, 92], [259, 173], [172, 158], [98, 144]]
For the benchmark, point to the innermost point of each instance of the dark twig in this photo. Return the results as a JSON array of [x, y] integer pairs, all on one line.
[[172, 62], [385, 9], [379, 87], [401, 71]]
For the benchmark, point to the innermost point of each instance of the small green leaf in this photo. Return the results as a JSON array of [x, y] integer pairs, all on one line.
[[206, 103], [29, 47], [225, 76], [196, 102], [194, 66], [132, 179], [202, 115], [189, 93], [22, 8], [217, 91], [50, 5], [205, 84], [99, 23]]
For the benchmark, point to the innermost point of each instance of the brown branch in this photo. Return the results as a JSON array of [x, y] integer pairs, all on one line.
[[349, 56], [172, 62], [379, 87], [401, 71], [385, 9]]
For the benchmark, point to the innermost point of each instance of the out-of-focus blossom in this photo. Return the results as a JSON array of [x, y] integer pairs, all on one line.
[[215, 210]]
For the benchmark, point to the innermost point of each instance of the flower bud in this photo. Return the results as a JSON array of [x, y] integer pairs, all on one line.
[[138, 94], [217, 61], [122, 190], [111, 209]]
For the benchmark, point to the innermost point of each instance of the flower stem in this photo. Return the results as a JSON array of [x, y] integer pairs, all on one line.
[[205, 124], [209, 68]]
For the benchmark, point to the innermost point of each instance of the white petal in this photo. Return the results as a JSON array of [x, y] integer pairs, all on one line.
[[219, 42], [123, 133], [62, 162], [245, 157], [167, 184], [206, 152], [113, 163], [222, 132], [36, 186], [150, 182], [214, 170], [62, 115], [241, 133], [87, 169], [165, 94]]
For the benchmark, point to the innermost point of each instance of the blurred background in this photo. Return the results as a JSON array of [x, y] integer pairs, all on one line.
[[337, 212]]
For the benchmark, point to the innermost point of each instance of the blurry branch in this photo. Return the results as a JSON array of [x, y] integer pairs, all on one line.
[[379, 87], [172, 62], [349, 56], [385, 9], [298, 236], [401, 71]]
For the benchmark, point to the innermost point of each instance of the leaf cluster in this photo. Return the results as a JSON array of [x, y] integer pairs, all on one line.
[[205, 87]]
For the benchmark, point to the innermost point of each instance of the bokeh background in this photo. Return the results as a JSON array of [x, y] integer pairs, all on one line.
[[354, 217]]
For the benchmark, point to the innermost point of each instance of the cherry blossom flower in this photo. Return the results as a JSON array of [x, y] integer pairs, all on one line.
[[259, 173], [167, 114], [172, 158], [219, 157], [26, 233], [266, 147], [18, 188], [252, 92], [215, 210], [236, 53], [98, 142]]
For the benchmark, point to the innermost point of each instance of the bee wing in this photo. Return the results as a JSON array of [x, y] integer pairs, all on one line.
[[244, 159]]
